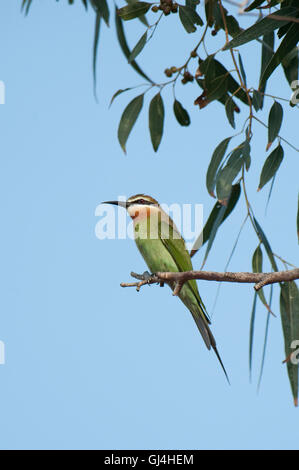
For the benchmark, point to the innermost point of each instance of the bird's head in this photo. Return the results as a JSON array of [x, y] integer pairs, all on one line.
[[138, 206]]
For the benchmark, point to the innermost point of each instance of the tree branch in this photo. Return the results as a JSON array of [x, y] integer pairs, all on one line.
[[179, 278]]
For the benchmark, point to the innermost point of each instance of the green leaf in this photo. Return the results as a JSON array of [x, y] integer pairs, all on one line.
[[189, 18], [156, 120], [290, 65], [217, 87], [212, 69], [230, 110], [141, 18], [124, 46], [218, 221], [257, 260], [206, 234], [265, 25], [215, 162], [263, 239], [192, 3], [242, 70], [95, 50], [254, 5], [265, 338], [85, 4], [271, 166], [181, 114], [289, 309], [139, 46], [231, 24], [287, 44], [133, 10], [118, 92], [257, 100], [227, 175], [257, 267], [26, 3], [101, 6], [267, 54], [128, 120], [246, 154], [274, 122], [251, 333]]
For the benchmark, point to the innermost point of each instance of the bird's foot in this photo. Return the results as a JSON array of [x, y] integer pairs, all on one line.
[[145, 278]]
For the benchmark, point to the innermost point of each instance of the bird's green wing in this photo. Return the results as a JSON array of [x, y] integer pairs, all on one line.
[[176, 247]]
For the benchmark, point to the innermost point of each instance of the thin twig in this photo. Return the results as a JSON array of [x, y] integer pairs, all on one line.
[[179, 278]]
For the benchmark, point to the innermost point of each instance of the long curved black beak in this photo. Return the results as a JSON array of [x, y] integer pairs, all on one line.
[[116, 203]]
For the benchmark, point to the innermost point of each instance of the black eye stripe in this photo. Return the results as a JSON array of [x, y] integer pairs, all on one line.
[[142, 201]]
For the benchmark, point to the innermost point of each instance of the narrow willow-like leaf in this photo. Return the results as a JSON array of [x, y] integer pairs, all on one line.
[[85, 4], [246, 154], [27, 4], [265, 340], [101, 6], [128, 120], [95, 50], [290, 65], [189, 18], [265, 25], [251, 333], [257, 100], [217, 87], [133, 10], [257, 267], [218, 221], [230, 111], [141, 18], [287, 44], [289, 309], [124, 46], [254, 5], [215, 162], [138, 48], [242, 70], [205, 235], [266, 244], [181, 114], [156, 120], [118, 92], [192, 3], [267, 54], [271, 166], [274, 122], [227, 175]]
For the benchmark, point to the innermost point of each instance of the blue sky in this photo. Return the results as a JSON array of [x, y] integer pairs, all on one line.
[[88, 364]]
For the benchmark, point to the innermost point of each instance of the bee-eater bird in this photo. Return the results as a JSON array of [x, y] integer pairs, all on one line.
[[164, 250]]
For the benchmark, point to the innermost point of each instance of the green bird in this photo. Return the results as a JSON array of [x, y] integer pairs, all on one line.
[[164, 250]]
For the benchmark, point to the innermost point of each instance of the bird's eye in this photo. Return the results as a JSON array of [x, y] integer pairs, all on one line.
[[141, 201]]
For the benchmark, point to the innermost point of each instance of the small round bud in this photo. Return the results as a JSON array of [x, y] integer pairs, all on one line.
[[168, 72], [174, 8], [167, 10], [184, 81], [173, 69], [193, 54], [155, 8], [214, 32]]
